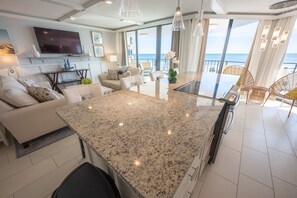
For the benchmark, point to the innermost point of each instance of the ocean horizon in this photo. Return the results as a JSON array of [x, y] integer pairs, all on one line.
[[289, 57]]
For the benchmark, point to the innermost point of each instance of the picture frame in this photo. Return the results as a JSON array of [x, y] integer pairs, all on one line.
[[97, 38], [6, 47], [98, 51]]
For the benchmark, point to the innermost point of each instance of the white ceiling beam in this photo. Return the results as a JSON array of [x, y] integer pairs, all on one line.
[[217, 6], [66, 4]]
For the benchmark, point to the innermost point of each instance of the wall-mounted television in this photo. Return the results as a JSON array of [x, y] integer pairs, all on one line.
[[52, 41]]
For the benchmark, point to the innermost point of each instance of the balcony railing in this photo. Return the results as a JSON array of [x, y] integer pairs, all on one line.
[[212, 66]]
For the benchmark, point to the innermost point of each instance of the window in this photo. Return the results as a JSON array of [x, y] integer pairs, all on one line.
[[147, 48], [229, 43]]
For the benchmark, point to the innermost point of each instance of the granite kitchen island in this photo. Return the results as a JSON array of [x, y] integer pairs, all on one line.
[[156, 139]]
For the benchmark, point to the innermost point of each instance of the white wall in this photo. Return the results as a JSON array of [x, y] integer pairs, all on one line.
[[22, 36]]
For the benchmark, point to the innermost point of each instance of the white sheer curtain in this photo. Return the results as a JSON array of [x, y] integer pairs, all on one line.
[[189, 47], [265, 65], [121, 48]]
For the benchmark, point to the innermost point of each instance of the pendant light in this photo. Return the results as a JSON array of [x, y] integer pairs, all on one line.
[[178, 23], [198, 31], [130, 8]]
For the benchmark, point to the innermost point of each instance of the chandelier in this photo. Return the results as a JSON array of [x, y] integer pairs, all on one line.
[[178, 23], [130, 8], [278, 37]]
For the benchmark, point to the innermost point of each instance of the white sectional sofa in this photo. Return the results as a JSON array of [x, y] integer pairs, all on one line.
[[31, 121]]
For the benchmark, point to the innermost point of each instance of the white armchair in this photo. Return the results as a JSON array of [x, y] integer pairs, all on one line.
[[156, 75], [78, 93], [131, 81]]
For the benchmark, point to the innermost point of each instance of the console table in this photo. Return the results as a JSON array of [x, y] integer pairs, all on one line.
[[53, 77]]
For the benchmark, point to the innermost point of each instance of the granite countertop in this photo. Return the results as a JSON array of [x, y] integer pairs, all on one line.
[[149, 135]]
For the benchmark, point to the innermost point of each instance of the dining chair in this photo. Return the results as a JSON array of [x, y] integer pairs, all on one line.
[[131, 81], [156, 75], [78, 93], [87, 181]]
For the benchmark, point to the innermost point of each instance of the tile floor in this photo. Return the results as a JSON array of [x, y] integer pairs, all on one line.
[[257, 159]]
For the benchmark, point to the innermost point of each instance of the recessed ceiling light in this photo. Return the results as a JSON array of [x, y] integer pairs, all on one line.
[[72, 18], [108, 2]]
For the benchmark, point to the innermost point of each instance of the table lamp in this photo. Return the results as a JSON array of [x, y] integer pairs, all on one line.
[[113, 59]]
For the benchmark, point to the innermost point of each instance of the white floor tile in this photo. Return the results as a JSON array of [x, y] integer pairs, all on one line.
[[227, 164], [197, 189], [249, 188], [25, 177], [283, 189], [52, 149], [67, 154], [3, 159], [233, 140], [279, 142], [48, 183], [274, 125], [254, 113], [283, 166], [293, 138], [255, 140], [14, 167], [255, 165], [254, 124], [238, 124], [216, 186]]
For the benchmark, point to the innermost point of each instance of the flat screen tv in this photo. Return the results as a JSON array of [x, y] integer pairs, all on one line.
[[52, 41]]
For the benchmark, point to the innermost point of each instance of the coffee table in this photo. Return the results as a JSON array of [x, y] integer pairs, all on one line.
[[257, 93]]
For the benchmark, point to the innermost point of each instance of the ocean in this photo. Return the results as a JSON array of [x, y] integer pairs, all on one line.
[[289, 58]]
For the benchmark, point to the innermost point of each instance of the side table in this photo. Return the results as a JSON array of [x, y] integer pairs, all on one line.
[[257, 93]]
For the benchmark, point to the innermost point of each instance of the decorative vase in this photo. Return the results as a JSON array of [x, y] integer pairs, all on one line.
[[172, 80], [35, 52]]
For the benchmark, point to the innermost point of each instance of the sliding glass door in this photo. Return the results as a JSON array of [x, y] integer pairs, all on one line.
[[229, 43], [147, 48]]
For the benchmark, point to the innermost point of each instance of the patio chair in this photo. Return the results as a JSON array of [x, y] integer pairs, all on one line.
[[293, 96], [147, 67], [283, 86], [246, 80], [156, 75]]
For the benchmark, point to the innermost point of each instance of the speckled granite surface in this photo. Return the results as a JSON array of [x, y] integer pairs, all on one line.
[[149, 141]]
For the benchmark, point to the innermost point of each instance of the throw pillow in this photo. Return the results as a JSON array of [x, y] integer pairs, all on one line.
[[27, 82], [4, 107], [124, 75], [42, 94], [112, 75], [14, 93]]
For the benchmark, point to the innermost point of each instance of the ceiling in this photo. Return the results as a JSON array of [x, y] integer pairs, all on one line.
[[97, 13]]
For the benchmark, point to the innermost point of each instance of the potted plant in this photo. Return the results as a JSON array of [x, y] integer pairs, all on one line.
[[86, 81], [174, 62]]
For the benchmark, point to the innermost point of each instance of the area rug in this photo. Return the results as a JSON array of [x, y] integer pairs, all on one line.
[[42, 141]]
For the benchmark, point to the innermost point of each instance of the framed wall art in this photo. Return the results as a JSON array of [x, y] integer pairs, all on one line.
[[98, 51], [97, 38], [5, 43]]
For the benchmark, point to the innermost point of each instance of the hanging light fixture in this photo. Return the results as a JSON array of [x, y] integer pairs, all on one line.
[[130, 8], [178, 23], [198, 31]]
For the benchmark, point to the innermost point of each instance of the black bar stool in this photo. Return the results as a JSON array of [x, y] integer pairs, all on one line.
[[87, 181]]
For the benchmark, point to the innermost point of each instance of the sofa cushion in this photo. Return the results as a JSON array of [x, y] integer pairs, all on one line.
[[114, 84], [42, 94], [112, 75], [26, 82], [124, 74], [134, 71], [14, 93], [4, 107]]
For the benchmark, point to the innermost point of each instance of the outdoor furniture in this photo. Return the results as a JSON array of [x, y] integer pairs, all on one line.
[[147, 67], [293, 96], [246, 80], [282, 86], [257, 93]]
